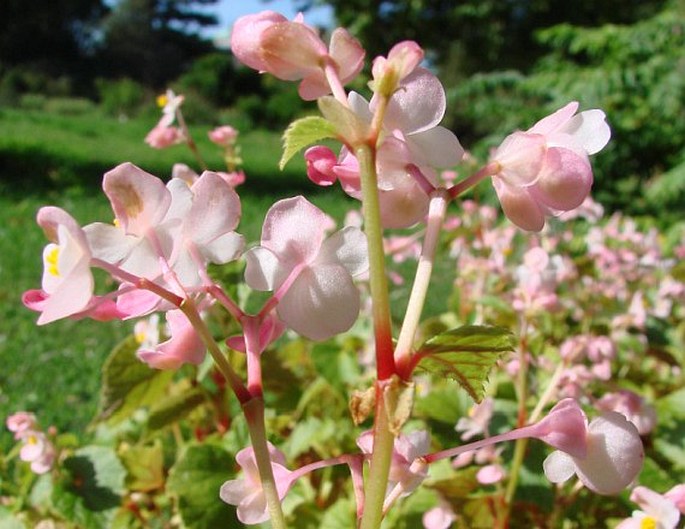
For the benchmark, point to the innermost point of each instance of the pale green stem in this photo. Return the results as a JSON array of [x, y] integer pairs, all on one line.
[[377, 482], [241, 392], [522, 394], [549, 393], [189, 141], [424, 270], [254, 413], [378, 282]]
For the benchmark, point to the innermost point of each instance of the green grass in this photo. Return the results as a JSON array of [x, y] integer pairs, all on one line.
[[59, 160]]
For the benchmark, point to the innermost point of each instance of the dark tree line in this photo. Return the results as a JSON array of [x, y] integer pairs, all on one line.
[[151, 41]]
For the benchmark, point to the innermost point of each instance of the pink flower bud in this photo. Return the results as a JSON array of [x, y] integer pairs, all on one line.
[[162, 137], [224, 136], [320, 164]]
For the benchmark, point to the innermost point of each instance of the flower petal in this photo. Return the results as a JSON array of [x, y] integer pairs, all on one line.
[[322, 302], [558, 466]]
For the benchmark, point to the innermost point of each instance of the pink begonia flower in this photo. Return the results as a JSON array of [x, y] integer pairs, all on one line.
[[183, 346], [413, 140], [207, 212], [440, 517], [37, 450], [292, 50], [546, 169], [67, 285], [138, 238], [170, 103], [247, 493], [161, 137], [632, 407], [312, 277], [490, 474], [658, 512], [613, 460], [477, 421], [677, 496], [21, 421], [407, 449], [224, 136]]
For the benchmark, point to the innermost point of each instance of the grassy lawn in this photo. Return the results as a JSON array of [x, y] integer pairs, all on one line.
[[59, 160]]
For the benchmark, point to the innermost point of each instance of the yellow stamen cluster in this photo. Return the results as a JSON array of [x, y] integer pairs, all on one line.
[[162, 100], [52, 261], [648, 523]]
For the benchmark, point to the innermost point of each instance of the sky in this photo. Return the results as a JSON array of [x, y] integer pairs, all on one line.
[[228, 11]]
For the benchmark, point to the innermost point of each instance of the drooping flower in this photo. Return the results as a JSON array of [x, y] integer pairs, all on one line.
[[161, 137], [247, 493], [546, 170], [657, 511], [37, 450], [311, 275], [613, 459], [477, 421], [292, 50]]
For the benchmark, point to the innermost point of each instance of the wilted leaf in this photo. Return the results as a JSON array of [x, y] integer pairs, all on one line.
[[302, 133], [398, 397], [362, 404], [467, 355]]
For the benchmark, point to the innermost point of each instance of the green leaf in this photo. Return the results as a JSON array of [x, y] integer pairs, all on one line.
[[196, 479], [467, 355], [145, 466], [128, 384], [175, 408], [347, 125], [304, 132], [91, 494]]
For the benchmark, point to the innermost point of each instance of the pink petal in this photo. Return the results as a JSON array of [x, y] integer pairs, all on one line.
[[564, 428], [559, 466], [521, 156], [519, 206], [139, 200], [437, 147], [440, 517], [247, 34], [564, 181], [184, 346], [590, 130], [263, 270], [615, 454], [419, 105], [347, 247], [322, 302], [291, 51], [556, 120], [293, 230], [347, 53], [215, 210], [404, 206], [320, 162]]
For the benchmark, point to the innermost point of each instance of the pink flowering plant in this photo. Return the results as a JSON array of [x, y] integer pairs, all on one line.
[[284, 382]]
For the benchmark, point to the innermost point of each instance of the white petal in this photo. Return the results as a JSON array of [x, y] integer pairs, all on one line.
[[590, 129], [347, 247], [438, 147], [263, 269], [224, 249], [615, 454], [109, 243], [322, 302], [418, 105], [558, 466]]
